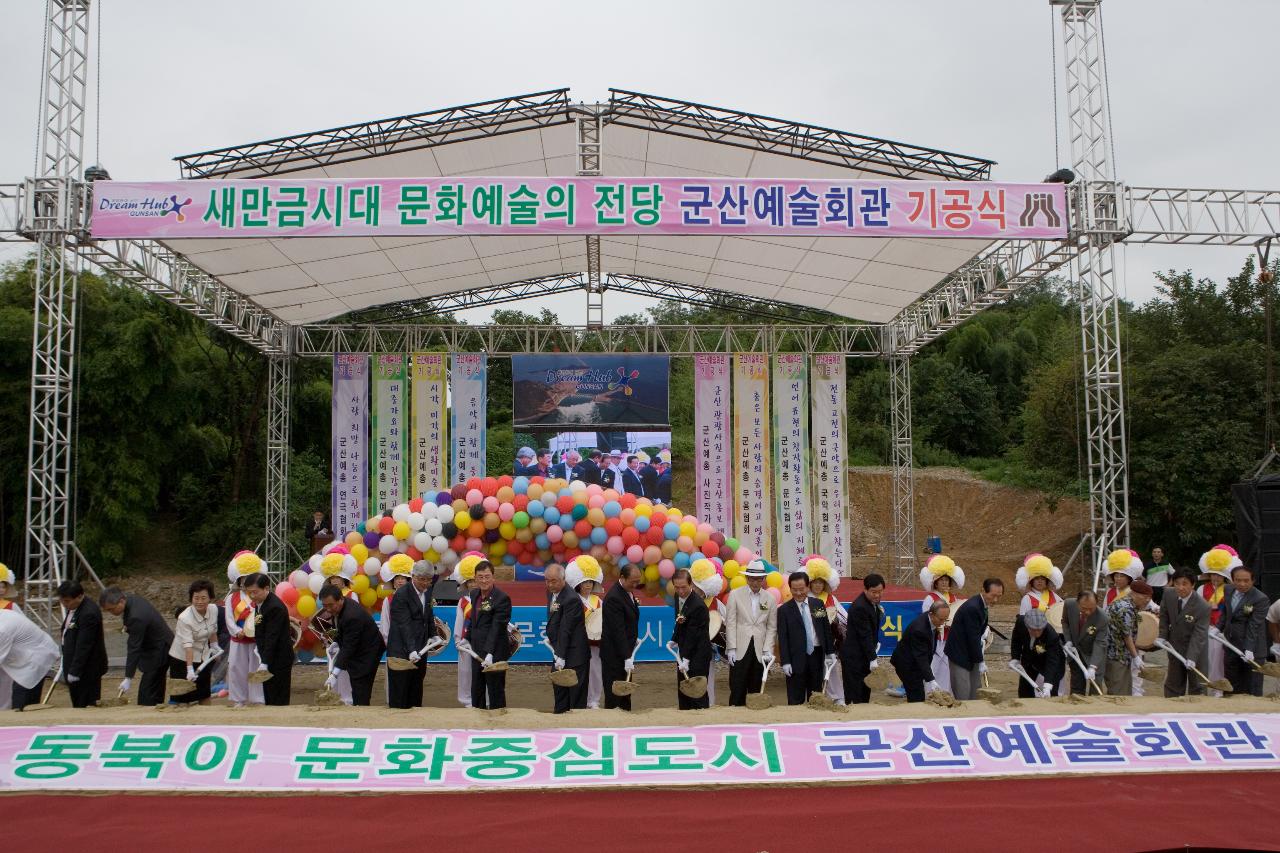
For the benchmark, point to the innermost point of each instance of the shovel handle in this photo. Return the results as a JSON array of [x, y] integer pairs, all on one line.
[[1224, 641]]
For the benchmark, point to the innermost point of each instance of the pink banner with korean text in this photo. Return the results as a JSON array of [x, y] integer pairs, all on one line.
[[387, 451], [350, 440], [257, 758], [712, 441], [753, 472], [429, 398], [576, 205], [791, 459], [830, 522]]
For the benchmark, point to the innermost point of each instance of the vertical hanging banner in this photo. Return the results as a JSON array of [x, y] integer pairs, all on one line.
[[387, 452], [753, 474], [468, 420], [830, 479], [426, 379], [350, 437], [711, 439], [791, 458]]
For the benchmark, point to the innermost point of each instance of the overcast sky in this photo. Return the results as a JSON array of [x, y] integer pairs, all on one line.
[[1192, 82]]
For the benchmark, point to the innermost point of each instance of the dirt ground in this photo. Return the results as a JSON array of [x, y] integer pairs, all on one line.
[[529, 697]]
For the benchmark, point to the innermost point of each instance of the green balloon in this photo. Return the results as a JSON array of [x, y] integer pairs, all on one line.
[[520, 520], [732, 544]]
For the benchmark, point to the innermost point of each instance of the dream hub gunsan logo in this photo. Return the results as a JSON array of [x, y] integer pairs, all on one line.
[[151, 206]]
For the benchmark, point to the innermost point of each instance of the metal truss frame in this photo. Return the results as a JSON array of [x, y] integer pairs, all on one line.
[[902, 547], [789, 138], [276, 548]]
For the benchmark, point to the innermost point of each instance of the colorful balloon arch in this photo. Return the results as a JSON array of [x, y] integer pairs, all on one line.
[[526, 522]]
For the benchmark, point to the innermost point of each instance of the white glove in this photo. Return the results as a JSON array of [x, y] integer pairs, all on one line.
[[125, 685], [1091, 673], [333, 649], [1248, 655], [683, 664], [558, 661], [414, 657], [1068, 647], [1039, 681], [1043, 692], [930, 686], [875, 664], [830, 660], [72, 679], [463, 644], [191, 673], [767, 661], [488, 660], [786, 670], [1275, 649], [672, 647], [214, 650], [332, 681], [1214, 632], [733, 657], [262, 667], [982, 667], [628, 665], [1136, 663]]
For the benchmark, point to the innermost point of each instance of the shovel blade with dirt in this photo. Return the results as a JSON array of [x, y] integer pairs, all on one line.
[[113, 701], [987, 693], [564, 677], [626, 687], [43, 704], [260, 676], [694, 687], [1220, 684], [877, 680], [760, 701], [820, 701], [1266, 667]]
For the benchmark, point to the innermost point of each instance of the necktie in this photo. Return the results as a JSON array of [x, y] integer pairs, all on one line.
[[1181, 602], [1080, 627], [808, 628]]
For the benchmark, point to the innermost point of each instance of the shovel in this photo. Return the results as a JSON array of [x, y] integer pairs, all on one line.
[[1271, 669], [113, 701], [404, 664], [820, 700], [626, 688], [563, 677], [989, 693], [1220, 684], [43, 704], [1017, 667], [1075, 656], [496, 666], [695, 687], [759, 701], [178, 686]]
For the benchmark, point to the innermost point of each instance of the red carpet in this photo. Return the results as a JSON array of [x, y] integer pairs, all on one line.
[[1111, 813], [534, 593]]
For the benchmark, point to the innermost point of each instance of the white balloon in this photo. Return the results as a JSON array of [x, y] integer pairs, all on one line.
[[548, 498], [329, 546], [315, 581], [577, 486], [401, 513], [314, 562], [371, 566], [416, 521], [429, 510], [422, 541], [349, 565], [433, 527], [445, 514], [298, 578], [439, 545], [387, 544], [448, 558]]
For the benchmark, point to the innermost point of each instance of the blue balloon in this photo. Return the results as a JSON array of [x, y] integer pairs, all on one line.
[[642, 523], [551, 515], [682, 560], [671, 530], [535, 509], [612, 509], [599, 536], [360, 528], [542, 541], [509, 559], [520, 485]]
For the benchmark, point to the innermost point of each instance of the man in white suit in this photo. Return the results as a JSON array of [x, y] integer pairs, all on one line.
[[751, 629]]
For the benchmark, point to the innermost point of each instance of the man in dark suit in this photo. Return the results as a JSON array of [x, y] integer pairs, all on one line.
[[149, 641], [621, 625], [317, 525], [1184, 622], [359, 641], [569, 467], [662, 491], [1084, 626], [524, 466], [591, 468], [412, 626], [84, 649], [273, 638], [1244, 625], [805, 645], [487, 637], [1038, 647], [632, 483], [912, 658], [963, 647], [691, 639], [567, 636], [648, 478], [858, 655]]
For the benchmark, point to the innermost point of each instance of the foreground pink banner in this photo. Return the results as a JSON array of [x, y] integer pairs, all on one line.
[[122, 758], [504, 205]]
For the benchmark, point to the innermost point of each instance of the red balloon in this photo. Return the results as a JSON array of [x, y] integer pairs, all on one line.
[[710, 549], [505, 480], [489, 487], [657, 519], [583, 529], [415, 505], [630, 536], [717, 537], [458, 544], [627, 500], [565, 504], [413, 553], [613, 526], [458, 492], [474, 483], [726, 553], [572, 554], [655, 535], [520, 502], [537, 478], [386, 524]]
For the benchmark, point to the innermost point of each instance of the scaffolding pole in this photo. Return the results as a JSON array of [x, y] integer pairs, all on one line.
[[590, 164], [276, 549], [903, 547]]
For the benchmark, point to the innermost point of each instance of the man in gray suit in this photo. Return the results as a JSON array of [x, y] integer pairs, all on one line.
[[1244, 625], [1084, 626], [1184, 622]]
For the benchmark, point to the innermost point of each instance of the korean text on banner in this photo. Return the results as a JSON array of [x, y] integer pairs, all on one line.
[[405, 207], [791, 458], [350, 440], [468, 420], [753, 475], [430, 429], [388, 428], [711, 439], [830, 479]]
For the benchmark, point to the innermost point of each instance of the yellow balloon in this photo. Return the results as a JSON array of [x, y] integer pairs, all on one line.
[[498, 549], [688, 529], [431, 556], [644, 508], [674, 514], [400, 530], [385, 591], [774, 579], [462, 520], [360, 552], [731, 569], [535, 491], [360, 583], [570, 539], [307, 606], [507, 530], [369, 598], [650, 575], [737, 581], [524, 534], [668, 548]]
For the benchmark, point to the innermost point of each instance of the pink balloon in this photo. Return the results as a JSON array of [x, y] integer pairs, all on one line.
[[614, 545], [744, 555], [287, 593], [594, 501], [298, 578], [474, 497], [474, 544], [554, 533], [490, 504], [776, 593], [506, 512], [599, 552], [652, 555], [594, 489], [635, 554], [684, 543], [666, 569]]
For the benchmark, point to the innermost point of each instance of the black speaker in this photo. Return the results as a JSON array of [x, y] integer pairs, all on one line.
[[1257, 511]]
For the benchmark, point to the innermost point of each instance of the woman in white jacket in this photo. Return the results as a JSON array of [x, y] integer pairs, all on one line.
[[195, 641]]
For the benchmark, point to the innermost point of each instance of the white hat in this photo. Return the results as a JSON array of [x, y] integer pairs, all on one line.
[[465, 569], [615, 452], [243, 564], [940, 565], [1038, 566], [582, 569], [1125, 561], [756, 569], [397, 564], [1220, 560], [705, 577], [818, 569]]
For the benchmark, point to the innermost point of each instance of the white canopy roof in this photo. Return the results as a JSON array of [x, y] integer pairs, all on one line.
[[305, 280]]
